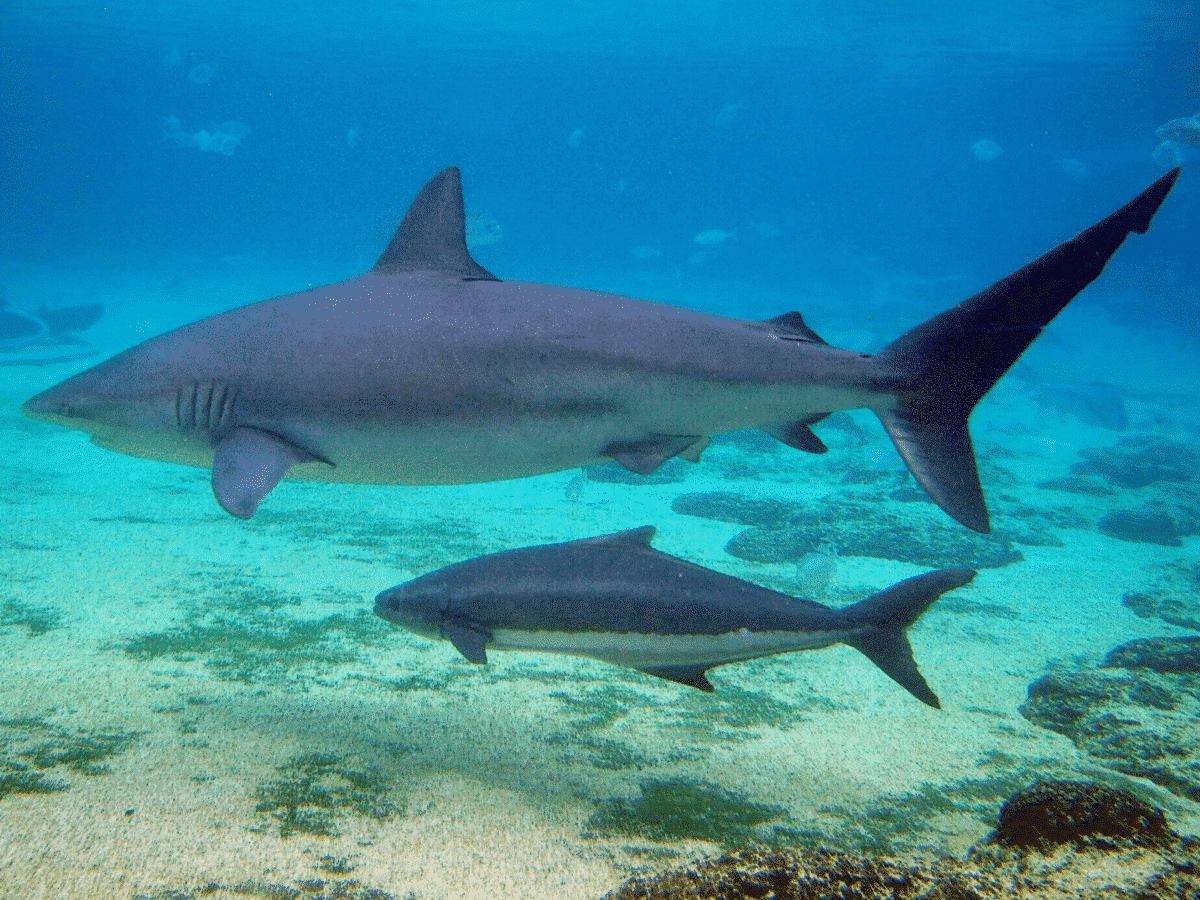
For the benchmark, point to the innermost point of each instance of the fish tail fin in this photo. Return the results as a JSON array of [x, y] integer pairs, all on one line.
[[946, 365], [881, 621]]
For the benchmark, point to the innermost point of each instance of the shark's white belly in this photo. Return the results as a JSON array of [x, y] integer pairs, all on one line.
[[541, 438], [637, 651]]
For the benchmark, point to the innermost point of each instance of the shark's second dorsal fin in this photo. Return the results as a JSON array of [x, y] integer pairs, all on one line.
[[433, 236], [637, 538], [792, 327]]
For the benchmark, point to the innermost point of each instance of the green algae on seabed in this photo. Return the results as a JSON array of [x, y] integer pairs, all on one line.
[[309, 889], [29, 748], [317, 789], [685, 810], [37, 620], [236, 629]]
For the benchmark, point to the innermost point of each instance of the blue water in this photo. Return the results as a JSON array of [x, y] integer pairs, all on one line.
[[827, 148]]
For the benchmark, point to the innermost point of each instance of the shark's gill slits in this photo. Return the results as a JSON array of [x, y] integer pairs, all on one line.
[[204, 406]]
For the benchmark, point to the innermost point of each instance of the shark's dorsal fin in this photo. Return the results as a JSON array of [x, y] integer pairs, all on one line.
[[637, 538], [433, 236]]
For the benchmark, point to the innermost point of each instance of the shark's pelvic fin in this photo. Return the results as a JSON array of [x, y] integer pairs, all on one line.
[[948, 363], [644, 456], [247, 465], [433, 235], [884, 617]]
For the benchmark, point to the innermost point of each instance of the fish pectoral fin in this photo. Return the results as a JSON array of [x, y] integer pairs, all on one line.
[[469, 640], [798, 435], [692, 676], [644, 456], [248, 464]]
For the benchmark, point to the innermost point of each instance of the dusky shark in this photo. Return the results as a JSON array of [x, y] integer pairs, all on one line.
[[616, 599], [430, 370]]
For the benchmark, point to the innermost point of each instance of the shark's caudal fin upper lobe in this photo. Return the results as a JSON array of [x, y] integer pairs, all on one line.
[[880, 622], [949, 362]]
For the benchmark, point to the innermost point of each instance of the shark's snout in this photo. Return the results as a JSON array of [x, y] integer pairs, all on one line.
[[52, 406]]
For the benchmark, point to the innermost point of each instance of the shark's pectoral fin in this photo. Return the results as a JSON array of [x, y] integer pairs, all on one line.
[[248, 464], [644, 456], [469, 640], [692, 676], [798, 434]]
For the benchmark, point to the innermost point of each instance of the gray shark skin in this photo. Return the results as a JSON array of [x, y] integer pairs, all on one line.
[[429, 370], [616, 599]]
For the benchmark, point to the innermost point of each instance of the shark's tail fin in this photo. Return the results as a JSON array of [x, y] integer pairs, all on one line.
[[882, 619], [945, 365]]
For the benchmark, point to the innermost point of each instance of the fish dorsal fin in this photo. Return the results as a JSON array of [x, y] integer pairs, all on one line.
[[433, 236], [792, 327], [635, 538], [692, 676]]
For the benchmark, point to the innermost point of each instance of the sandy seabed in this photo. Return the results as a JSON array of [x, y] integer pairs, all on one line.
[[198, 701]]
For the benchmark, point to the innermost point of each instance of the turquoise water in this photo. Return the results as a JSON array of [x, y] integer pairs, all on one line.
[[193, 700]]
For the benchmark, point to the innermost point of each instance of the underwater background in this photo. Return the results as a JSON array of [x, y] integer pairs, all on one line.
[[196, 706]]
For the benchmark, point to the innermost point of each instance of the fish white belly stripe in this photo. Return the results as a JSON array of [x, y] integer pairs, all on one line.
[[646, 650]]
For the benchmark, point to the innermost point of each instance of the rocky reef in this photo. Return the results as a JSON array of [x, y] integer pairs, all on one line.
[[1138, 713], [1057, 839], [1173, 597], [781, 531]]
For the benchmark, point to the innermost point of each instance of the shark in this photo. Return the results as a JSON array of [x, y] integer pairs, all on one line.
[[428, 369], [616, 599]]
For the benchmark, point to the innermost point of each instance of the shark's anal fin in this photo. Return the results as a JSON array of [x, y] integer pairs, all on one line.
[[433, 235], [644, 456], [798, 434], [692, 676], [247, 465], [469, 640]]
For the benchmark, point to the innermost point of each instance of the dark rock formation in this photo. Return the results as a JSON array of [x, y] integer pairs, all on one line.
[[1139, 713], [783, 532], [1140, 460], [1174, 597], [1053, 814], [1141, 526], [1104, 830], [723, 506]]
